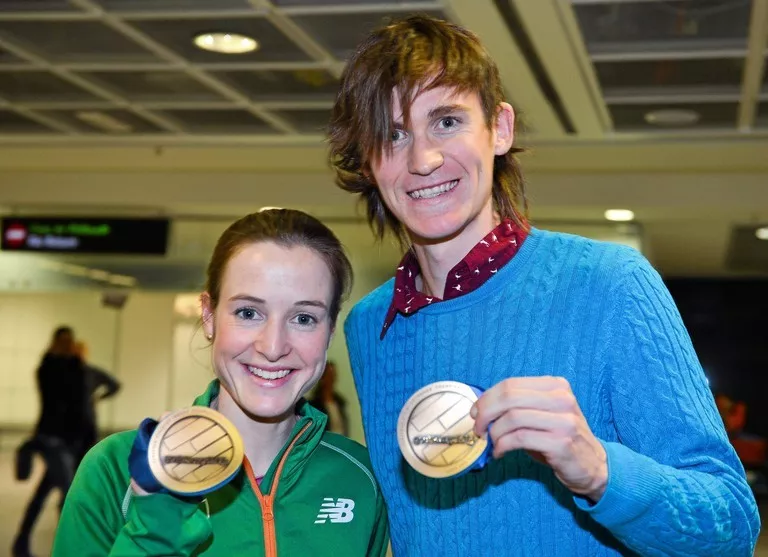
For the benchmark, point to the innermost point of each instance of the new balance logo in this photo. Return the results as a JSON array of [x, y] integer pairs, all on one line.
[[338, 511]]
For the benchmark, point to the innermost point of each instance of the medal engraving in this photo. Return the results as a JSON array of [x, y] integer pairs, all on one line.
[[468, 439], [194, 451], [436, 433]]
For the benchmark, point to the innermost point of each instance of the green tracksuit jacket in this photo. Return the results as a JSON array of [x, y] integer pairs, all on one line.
[[318, 498]]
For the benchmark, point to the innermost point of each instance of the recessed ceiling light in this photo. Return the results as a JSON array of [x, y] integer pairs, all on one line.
[[104, 121], [672, 117], [762, 233], [226, 43], [619, 215]]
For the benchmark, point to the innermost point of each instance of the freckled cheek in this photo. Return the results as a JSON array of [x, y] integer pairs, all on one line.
[[232, 341], [310, 348]]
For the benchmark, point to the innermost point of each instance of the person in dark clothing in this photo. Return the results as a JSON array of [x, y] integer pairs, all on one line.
[[66, 428], [331, 403]]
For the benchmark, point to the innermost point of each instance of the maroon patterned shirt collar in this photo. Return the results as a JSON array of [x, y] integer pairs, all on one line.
[[481, 263]]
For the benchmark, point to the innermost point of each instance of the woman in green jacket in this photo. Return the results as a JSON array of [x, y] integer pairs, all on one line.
[[274, 287]]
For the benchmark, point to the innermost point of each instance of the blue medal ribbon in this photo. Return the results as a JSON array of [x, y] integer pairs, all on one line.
[[487, 454], [138, 461]]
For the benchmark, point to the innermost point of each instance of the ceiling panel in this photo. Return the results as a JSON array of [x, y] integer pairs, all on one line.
[[307, 120], [154, 85], [173, 5], [178, 35], [39, 86], [9, 58], [74, 41], [664, 25], [316, 3], [712, 115], [115, 121], [220, 121], [725, 74], [36, 6], [746, 252], [341, 33], [10, 122], [275, 85], [765, 76], [762, 115]]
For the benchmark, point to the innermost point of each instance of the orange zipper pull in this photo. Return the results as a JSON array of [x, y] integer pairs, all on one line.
[[268, 514]]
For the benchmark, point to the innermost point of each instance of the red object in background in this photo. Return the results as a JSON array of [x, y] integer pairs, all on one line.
[[15, 235], [736, 418], [751, 450]]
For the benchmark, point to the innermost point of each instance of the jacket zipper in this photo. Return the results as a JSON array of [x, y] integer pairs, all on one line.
[[267, 501]]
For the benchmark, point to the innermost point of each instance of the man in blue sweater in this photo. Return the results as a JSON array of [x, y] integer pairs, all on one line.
[[606, 439]]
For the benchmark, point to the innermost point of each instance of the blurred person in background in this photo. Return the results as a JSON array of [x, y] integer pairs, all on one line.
[[330, 402], [58, 436], [605, 437]]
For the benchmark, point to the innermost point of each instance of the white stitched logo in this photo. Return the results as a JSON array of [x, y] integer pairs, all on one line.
[[339, 511]]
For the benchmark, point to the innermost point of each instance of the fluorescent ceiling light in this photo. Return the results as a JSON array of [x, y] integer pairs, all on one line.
[[672, 117], [226, 43], [103, 121], [619, 215]]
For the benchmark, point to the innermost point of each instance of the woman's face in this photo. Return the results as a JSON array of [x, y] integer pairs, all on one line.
[[271, 328]]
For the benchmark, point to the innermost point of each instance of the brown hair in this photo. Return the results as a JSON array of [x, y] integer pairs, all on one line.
[[288, 228], [412, 55]]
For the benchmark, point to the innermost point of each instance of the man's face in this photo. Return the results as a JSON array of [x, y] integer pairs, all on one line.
[[438, 177]]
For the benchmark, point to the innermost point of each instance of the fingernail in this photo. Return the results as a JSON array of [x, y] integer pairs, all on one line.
[[473, 411]]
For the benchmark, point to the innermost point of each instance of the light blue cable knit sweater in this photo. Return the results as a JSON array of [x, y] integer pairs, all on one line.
[[600, 316]]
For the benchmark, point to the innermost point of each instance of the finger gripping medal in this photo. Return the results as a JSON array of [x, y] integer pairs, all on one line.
[[436, 432], [194, 451]]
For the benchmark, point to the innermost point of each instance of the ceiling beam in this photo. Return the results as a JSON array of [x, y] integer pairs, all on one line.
[[484, 19], [754, 66], [554, 31]]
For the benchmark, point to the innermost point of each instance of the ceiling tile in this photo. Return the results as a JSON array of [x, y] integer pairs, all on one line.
[[10, 122], [220, 121], [79, 119], [765, 76], [746, 252], [154, 86], [341, 33], [649, 26], [39, 86], [36, 6], [311, 121], [660, 75], [712, 115], [177, 35], [9, 58], [216, 6], [291, 85], [762, 115], [74, 41], [315, 3]]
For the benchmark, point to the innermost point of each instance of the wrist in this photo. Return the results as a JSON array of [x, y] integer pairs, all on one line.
[[600, 479]]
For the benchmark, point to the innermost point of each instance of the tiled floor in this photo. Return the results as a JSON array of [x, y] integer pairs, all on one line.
[[14, 496]]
